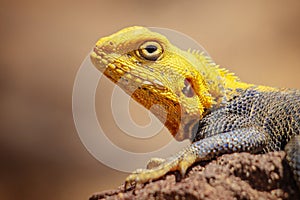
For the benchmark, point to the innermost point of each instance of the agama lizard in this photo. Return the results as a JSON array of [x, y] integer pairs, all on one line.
[[204, 103]]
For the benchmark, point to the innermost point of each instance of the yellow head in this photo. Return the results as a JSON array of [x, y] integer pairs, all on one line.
[[153, 71]]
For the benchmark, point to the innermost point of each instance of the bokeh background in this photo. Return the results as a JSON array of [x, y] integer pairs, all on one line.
[[44, 42]]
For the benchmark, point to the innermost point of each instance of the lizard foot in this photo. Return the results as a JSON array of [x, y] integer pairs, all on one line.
[[157, 168]]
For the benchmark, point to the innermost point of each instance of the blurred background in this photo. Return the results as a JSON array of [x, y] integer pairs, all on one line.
[[44, 42]]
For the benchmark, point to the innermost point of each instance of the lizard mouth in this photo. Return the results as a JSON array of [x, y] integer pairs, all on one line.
[[100, 59]]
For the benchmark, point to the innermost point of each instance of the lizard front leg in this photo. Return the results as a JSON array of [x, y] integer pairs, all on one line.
[[245, 139]]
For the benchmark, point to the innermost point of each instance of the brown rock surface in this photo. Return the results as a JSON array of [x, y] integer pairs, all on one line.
[[232, 176]]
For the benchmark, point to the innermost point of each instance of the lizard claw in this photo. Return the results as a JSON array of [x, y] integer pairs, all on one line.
[[160, 167]]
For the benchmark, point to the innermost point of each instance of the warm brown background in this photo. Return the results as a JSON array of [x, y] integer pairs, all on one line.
[[44, 42]]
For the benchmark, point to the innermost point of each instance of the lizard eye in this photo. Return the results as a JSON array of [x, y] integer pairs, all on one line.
[[150, 50]]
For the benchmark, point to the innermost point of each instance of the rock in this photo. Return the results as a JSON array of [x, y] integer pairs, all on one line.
[[231, 176]]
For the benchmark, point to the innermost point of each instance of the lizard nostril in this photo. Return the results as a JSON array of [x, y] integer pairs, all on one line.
[[188, 90]]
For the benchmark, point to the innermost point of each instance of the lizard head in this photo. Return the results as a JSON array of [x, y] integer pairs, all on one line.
[[155, 72]]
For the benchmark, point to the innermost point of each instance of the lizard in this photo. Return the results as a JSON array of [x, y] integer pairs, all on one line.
[[204, 102]]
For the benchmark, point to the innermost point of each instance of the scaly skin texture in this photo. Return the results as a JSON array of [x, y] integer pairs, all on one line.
[[199, 101]]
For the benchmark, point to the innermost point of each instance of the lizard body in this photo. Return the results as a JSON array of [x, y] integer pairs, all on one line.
[[204, 103]]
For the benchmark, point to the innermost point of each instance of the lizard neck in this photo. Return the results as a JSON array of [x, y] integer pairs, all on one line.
[[222, 85]]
